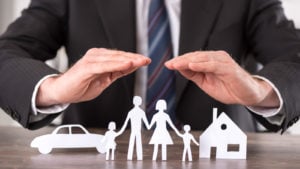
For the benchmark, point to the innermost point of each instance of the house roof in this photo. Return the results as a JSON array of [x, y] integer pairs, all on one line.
[[223, 128]]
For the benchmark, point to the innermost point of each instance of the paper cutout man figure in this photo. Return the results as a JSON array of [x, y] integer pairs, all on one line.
[[187, 138], [109, 140], [161, 134], [136, 116]]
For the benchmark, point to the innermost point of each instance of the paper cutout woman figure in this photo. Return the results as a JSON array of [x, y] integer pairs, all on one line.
[[187, 138], [161, 134], [109, 140], [136, 116]]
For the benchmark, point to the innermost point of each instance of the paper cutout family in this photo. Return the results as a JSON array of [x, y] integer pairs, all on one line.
[[221, 134]]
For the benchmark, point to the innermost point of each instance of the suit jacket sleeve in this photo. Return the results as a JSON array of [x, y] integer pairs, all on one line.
[[276, 44], [28, 42]]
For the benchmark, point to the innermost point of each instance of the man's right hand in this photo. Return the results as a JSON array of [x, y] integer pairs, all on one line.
[[89, 77]]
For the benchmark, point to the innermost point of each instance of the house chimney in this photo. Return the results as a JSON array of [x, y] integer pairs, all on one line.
[[215, 114]]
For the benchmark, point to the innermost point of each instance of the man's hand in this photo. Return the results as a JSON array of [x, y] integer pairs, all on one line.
[[87, 79], [216, 73]]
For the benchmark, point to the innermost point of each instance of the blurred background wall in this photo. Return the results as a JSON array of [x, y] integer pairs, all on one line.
[[11, 9]]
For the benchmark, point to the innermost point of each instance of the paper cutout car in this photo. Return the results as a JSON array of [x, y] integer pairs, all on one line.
[[47, 142]]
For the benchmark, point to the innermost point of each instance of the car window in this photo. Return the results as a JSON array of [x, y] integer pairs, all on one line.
[[64, 130], [77, 130]]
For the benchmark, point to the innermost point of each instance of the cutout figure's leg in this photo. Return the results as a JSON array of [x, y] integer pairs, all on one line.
[[113, 154], [107, 154], [184, 154], [139, 148], [155, 152], [130, 147], [164, 152], [189, 153]]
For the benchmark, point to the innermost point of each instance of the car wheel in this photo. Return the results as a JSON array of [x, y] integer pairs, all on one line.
[[45, 150]]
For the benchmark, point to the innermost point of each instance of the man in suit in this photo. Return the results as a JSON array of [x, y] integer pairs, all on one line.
[[212, 39]]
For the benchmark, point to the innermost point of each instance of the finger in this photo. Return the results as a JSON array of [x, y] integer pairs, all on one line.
[[101, 54], [116, 75], [193, 76], [108, 66], [116, 56], [182, 62], [178, 62], [136, 62], [205, 67], [97, 51], [187, 73]]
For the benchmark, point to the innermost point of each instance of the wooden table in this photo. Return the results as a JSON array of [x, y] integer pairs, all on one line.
[[264, 151]]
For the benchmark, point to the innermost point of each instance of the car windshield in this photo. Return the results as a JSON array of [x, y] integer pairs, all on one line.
[[71, 129]]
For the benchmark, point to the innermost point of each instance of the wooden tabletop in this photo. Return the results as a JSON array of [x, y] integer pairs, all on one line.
[[264, 151]]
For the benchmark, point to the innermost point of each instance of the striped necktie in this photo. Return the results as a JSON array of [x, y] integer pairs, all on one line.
[[161, 81]]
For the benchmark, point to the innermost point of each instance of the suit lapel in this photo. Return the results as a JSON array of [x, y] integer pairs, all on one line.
[[118, 17], [198, 19]]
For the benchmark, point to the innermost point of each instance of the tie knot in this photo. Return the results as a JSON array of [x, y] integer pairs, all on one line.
[[157, 7], [154, 3]]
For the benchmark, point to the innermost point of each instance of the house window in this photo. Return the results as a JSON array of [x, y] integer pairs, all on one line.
[[223, 126], [233, 147]]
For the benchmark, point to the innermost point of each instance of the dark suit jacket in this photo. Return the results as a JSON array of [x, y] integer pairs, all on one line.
[[239, 27]]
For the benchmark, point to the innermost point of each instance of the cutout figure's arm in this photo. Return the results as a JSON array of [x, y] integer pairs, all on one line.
[[179, 134], [146, 122], [152, 123], [120, 132], [124, 125], [194, 140], [173, 127]]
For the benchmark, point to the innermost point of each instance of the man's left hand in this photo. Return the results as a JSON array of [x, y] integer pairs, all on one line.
[[216, 73]]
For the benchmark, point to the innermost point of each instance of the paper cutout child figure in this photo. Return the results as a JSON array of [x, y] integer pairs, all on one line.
[[109, 140], [187, 138], [136, 115], [161, 134]]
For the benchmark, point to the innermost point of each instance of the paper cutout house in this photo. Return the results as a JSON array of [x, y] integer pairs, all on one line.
[[223, 135]]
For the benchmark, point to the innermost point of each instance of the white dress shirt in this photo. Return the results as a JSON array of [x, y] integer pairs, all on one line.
[[174, 13]]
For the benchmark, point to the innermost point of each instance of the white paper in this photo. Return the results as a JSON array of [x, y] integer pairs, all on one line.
[[47, 142], [220, 134]]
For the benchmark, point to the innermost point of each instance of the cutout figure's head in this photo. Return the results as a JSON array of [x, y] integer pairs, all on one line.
[[137, 100], [161, 105], [187, 128], [111, 125]]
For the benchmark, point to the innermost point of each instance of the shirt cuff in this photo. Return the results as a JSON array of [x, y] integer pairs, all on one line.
[[273, 115], [45, 110]]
